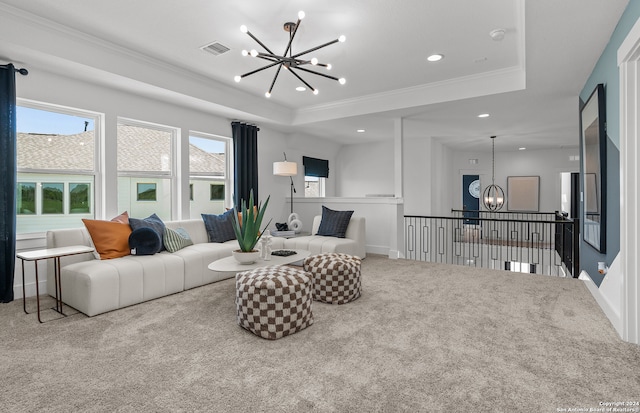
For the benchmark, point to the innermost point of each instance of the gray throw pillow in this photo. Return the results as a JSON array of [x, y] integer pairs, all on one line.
[[220, 227], [334, 223]]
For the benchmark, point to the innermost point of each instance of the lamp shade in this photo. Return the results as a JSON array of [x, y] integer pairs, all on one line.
[[285, 168]]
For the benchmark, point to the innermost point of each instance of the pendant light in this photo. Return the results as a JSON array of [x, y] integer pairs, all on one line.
[[493, 196]]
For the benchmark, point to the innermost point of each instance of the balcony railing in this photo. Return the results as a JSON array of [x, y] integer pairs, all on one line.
[[537, 243]]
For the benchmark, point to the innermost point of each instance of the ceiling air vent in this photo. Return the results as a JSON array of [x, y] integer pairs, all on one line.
[[216, 48]]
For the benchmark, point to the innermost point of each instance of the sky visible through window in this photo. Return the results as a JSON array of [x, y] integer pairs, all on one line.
[[31, 120]]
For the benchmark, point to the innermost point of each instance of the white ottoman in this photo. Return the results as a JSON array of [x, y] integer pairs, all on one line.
[[273, 302]]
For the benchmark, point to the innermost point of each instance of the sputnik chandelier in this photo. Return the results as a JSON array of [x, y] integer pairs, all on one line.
[[290, 61]]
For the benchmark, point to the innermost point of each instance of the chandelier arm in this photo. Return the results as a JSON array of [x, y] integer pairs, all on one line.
[[292, 35], [301, 79], [273, 83], [282, 59], [259, 70], [259, 42], [319, 74], [269, 58], [313, 49]]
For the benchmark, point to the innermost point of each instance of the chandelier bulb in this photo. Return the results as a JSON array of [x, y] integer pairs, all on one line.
[[245, 53], [243, 29], [254, 52], [314, 61], [342, 38], [301, 15], [267, 94], [315, 91], [329, 66], [342, 80], [237, 78]]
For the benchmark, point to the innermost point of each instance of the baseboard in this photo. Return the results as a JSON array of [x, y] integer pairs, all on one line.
[[614, 316], [377, 249]]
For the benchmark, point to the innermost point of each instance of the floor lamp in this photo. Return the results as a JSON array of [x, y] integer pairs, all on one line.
[[286, 168]]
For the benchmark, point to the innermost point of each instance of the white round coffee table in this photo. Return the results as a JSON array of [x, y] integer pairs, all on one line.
[[229, 264]]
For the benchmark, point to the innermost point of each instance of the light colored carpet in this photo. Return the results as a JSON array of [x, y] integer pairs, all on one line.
[[422, 338]]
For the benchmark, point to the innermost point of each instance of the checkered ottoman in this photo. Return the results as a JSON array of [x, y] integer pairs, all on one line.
[[273, 302], [336, 277]]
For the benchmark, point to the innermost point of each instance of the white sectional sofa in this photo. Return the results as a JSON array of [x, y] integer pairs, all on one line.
[[353, 243], [95, 286]]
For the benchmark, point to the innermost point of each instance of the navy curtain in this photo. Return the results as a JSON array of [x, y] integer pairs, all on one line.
[[245, 155], [7, 181]]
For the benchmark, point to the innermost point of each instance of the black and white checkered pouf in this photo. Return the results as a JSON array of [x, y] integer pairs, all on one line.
[[273, 302], [336, 277]]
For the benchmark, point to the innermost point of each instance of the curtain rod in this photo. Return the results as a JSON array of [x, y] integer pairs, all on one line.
[[22, 70]]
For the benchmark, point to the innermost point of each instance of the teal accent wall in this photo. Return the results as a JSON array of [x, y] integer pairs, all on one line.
[[606, 72]]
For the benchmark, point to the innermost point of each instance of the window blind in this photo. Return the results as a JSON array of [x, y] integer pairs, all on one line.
[[315, 167]]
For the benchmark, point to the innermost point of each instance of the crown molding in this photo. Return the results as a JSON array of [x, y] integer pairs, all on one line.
[[488, 83]]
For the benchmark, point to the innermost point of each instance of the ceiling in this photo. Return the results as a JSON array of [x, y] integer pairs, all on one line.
[[528, 82]]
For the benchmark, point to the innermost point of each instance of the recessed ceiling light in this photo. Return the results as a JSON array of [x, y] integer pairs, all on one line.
[[435, 57], [301, 88], [522, 148], [483, 115], [360, 131]]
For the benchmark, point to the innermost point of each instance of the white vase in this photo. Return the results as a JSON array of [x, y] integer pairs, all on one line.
[[246, 257]]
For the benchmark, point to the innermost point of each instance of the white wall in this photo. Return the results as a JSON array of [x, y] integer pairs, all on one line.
[[365, 169], [547, 164]]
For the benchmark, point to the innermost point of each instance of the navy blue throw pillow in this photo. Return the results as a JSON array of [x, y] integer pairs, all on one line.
[[334, 223], [220, 227], [145, 241], [153, 221]]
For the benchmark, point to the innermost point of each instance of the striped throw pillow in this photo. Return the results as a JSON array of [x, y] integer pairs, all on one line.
[[176, 239]]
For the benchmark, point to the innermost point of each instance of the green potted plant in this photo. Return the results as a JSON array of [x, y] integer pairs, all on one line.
[[246, 224]]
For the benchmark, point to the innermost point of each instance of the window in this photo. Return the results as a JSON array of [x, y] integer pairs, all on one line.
[[146, 192], [209, 166], [145, 168], [313, 187], [315, 172], [79, 200], [52, 194], [57, 151], [26, 199], [217, 192]]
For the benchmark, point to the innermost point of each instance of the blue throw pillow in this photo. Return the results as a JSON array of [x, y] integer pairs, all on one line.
[[220, 227], [334, 223], [153, 222], [145, 241]]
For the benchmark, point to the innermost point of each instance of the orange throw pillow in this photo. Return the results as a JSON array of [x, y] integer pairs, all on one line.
[[111, 239]]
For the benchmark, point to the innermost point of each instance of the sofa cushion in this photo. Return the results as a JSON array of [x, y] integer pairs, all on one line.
[[110, 239], [144, 241], [122, 218], [220, 227], [334, 223], [154, 222], [176, 239]]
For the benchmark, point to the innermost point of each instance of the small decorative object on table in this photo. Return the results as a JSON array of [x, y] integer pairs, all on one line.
[[283, 253], [265, 246], [294, 223]]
